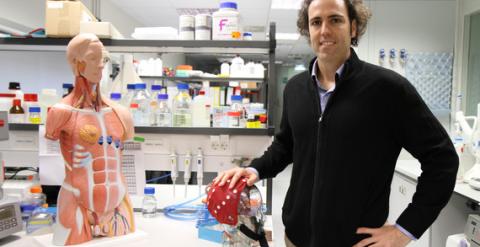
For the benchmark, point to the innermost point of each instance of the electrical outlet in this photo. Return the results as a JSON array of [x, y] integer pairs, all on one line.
[[215, 142], [224, 142]]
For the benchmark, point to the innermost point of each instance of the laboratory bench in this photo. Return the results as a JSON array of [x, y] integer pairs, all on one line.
[[157, 231], [453, 217]]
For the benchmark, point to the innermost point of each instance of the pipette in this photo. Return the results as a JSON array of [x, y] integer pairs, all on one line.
[[188, 170], [174, 169], [199, 161]]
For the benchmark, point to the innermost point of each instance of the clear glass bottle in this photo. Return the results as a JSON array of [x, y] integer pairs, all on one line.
[[16, 113], [127, 99], [156, 89], [142, 98], [149, 204], [182, 111], [163, 115], [34, 115], [237, 106], [136, 114]]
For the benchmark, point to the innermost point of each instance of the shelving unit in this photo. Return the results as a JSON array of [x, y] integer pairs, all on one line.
[[172, 130], [210, 79], [267, 85]]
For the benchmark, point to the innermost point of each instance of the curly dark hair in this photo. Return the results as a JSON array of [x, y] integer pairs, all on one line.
[[356, 11]]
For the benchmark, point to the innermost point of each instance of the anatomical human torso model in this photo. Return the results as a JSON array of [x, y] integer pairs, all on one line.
[[93, 200]]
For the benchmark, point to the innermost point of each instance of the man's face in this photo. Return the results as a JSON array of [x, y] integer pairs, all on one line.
[[329, 28], [94, 61]]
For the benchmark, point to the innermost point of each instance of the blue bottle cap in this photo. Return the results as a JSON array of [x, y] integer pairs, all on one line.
[[115, 96], [149, 191], [162, 96], [156, 87], [236, 98], [131, 86], [34, 109], [67, 85], [247, 34], [228, 5], [141, 86], [182, 86]]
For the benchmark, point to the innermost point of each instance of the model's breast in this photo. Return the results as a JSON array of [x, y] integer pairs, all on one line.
[[97, 129]]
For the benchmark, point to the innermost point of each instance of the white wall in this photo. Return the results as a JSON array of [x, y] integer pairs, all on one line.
[[417, 26]]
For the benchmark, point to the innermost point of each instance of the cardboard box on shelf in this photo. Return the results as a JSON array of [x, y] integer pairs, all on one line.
[[62, 18], [103, 30]]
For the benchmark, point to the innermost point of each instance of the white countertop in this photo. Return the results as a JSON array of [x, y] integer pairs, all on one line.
[[158, 231], [411, 169]]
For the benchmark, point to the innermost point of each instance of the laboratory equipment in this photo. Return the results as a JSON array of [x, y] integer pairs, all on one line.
[[34, 115], [472, 230], [6, 100], [201, 110], [225, 21], [403, 56], [163, 115], [471, 138], [149, 204], [237, 67], [199, 162], [173, 169], [14, 88], [247, 36], [48, 98], [381, 57], [186, 29], [187, 173], [182, 111], [203, 27], [67, 89], [116, 97], [29, 100], [239, 209], [16, 113], [41, 221], [10, 215], [225, 69], [392, 55], [143, 99]]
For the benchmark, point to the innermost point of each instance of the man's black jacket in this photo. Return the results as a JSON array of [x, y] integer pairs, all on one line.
[[344, 158]]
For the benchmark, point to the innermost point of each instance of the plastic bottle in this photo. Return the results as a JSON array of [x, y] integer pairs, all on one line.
[[6, 100], [48, 98], [149, 204], [142, 98], [158, 67], [16, 112], [14, 87], [34, 116], [182, 111], [186, 29], [203, 27], [225, 21], [29, 100], [237, 67], [67, 89], [249, 69], [201, 111], [36, 196], [259, 70], [225, 69], [163, 115]]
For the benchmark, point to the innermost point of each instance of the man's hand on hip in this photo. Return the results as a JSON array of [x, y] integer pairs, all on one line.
[[234, 175], [385, 236]]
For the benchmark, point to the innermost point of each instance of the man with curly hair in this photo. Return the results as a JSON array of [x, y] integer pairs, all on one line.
[[343, 126]]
